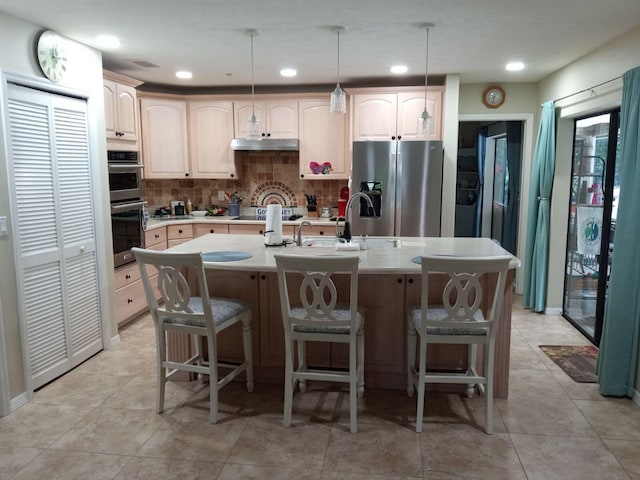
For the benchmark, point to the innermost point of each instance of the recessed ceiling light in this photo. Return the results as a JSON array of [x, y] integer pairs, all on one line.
[[107, 41], [288, 72], [514, 66], [399, 69], [184, 74]]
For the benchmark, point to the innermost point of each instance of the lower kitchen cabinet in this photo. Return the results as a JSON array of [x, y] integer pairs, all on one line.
[[177, 234], [155, 237], [130, 299]]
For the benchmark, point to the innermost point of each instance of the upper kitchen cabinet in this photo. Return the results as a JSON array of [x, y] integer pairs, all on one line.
[[210, 136], [165, 151], [121, 112], [323, 139], [279, 117], [388, 115]]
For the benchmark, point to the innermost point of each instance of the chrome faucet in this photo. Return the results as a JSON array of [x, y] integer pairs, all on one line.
[[299, 238], [346, 234]]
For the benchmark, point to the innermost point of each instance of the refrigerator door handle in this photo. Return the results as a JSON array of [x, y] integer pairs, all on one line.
[[397, 175]]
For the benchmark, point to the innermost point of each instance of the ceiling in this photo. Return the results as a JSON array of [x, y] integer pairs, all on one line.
[[474, 38]]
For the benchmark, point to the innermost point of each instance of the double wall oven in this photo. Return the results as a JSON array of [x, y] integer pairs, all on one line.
[[128, 211]]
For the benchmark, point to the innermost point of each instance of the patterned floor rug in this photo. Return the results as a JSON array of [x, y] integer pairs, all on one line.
[[578, 361]]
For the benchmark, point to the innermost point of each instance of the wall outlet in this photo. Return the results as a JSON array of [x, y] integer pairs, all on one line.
[[221, 195]]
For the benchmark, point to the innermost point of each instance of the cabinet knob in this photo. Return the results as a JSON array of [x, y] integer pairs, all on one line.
[[399, 280], [262, 277], [321, 232], [180, 232], [399, 137], [129, 300], [157, 236], [410, 280], [252, 277], [302, 175], [232, 175], [127, 277], [186, 174], [261, 232], [211, 231], [393, 137]]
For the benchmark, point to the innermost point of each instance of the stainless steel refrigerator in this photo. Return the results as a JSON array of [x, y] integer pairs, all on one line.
[[404, 181]]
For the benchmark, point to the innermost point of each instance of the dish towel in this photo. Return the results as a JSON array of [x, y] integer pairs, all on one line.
[[273, 228]]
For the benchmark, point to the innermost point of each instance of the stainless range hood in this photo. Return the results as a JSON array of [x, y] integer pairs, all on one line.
[[276, 144]]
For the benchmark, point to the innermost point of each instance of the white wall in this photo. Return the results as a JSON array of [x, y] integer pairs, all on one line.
[[604, 64], [521, 103], [84, 77]]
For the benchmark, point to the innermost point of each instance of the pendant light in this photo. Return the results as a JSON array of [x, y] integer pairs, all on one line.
[[338, 97], [425, 120], [254, 126]]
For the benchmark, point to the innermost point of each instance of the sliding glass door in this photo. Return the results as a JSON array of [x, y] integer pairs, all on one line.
[[595, 184]]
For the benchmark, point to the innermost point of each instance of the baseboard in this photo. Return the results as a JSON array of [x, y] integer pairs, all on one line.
[[114, 341], [19, 401], [553, 311]]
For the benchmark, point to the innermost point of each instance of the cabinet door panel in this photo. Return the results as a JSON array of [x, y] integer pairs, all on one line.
[[374, 116], [210, 135], [127, 113], [242, 112], [322, 139], [282, 118], [411, 106], [164, 138]]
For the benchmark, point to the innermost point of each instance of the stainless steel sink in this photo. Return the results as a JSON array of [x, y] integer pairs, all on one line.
[[330, 242]]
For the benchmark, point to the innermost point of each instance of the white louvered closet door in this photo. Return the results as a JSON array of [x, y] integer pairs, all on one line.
[[58, 278]]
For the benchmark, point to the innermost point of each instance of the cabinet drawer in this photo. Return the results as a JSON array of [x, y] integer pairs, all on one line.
[[126, 275], [247, 229], [205, 228], [130, 301], [258, 229], [179, 232], [155, 236]]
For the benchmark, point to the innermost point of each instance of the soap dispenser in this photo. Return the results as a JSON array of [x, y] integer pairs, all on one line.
[[189, 207]]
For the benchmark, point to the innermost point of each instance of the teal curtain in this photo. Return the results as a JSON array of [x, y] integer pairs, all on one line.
[[536, 261], [618, 357]]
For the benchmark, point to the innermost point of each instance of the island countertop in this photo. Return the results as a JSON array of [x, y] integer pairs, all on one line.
[[381, 256], [389, 281]]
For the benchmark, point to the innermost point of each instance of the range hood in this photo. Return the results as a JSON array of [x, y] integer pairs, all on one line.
[[277, 144]]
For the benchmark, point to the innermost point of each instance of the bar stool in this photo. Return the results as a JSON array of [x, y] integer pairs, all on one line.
[[199, 316], [457, 318], [320, 319]]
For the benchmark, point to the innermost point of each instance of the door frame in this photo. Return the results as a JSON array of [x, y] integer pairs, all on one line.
[[527, 155], [97, 152]]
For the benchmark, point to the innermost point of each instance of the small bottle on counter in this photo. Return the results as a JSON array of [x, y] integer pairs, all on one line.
[[189, 207]]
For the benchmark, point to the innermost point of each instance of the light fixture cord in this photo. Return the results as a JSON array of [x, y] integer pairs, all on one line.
[[253, 109], [338, 69], [426, 71]]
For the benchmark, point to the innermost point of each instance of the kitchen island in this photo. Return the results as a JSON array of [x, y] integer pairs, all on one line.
[[389, 281]]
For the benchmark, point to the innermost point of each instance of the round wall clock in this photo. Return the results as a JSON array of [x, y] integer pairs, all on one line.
[[493, 96], [51, 55]]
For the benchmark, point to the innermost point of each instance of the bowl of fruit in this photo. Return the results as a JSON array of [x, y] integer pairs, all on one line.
[[215, 211]]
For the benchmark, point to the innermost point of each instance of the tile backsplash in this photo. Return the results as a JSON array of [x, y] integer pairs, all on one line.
[[264, 177]]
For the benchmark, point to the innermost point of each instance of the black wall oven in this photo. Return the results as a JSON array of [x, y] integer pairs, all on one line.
[[128, 211]]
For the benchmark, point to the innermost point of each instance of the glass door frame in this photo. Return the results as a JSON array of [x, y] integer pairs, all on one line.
[[604, 254]]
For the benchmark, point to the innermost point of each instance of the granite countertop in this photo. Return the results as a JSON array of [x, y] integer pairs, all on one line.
[[381, 257], [156, 223]]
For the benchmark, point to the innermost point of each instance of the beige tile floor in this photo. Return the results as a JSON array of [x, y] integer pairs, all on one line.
[[98, 422]]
